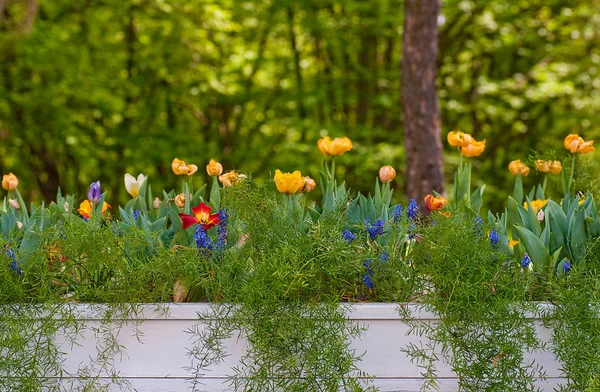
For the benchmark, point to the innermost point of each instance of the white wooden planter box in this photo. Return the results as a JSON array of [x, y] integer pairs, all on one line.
[[157, 358]]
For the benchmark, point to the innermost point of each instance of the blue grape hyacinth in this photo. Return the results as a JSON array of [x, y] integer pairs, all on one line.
[[348, 236], [397, 213], [412, 210]]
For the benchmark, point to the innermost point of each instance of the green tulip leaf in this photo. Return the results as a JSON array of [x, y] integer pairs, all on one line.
[[535, 248]]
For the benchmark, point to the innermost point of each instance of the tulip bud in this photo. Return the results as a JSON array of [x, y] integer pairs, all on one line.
[[66, 207], [10, 182], [309, 184], [180, 200], [95, 192], [214, 168], [540, 215], [387, 174], [156, 203], [14, 204], [19, 224]]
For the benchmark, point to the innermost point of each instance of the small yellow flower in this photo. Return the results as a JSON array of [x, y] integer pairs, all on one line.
[[474, 149], [459, 139], [581, 201], [10, 182], [289, 183], [180, 200], [512, 243], [536, 204], [309, 184], [518, 167], [575, 144], [337, 146], [387, 174], [214, 168]]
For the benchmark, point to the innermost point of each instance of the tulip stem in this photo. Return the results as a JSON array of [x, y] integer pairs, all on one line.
[[544, 185], [570, 187]]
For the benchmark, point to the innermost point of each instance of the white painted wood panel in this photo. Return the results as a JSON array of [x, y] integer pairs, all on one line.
[[156, 355]]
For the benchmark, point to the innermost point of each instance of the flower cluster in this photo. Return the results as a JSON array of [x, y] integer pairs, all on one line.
[[222, 232], [203, 241], [348, 236], [412, 211], [368, 278], [374, 230]]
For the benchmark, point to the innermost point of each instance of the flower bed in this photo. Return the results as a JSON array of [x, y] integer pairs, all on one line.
[[287, 263]]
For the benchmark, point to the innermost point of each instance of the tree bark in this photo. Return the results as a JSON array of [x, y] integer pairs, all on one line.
[[420, 108]]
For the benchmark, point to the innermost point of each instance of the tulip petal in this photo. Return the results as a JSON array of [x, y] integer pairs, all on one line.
[[187, 220]]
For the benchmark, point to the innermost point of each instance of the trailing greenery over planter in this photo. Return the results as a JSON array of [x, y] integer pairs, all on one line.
[[277, 266]]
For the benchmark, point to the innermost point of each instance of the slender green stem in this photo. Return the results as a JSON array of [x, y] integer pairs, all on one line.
[[572, 174]]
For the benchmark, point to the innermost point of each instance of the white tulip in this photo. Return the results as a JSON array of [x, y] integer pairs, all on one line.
[[132, 185]]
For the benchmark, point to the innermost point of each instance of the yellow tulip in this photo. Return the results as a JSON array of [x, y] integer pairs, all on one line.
[[575, 144], [289, 183], [337, 146], [536, 204], [459, 139], [214, 168], [474, 149], [387, 174], [309, 184], [132, 185], [10, 182], [518, 167]]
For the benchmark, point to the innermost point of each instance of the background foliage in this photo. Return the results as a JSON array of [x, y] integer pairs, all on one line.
[[92, 89]]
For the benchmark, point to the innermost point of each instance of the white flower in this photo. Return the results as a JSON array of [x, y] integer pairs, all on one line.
[[132, 185], [14, 204]]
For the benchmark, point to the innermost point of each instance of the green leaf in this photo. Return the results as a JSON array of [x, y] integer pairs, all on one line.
[[477, 199], [518, 190], [535, 248], [215, 194]]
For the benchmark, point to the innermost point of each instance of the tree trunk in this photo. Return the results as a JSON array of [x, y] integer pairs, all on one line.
[[420, 108]]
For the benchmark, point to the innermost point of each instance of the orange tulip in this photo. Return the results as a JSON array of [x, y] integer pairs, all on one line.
[[553, 167], [387, 174], [337, 146], [459, 139], [474, 149], [10, 182], [214, 168], [435, 203], [309, 184], [180, 168], [85, 208], [575, 144], [518, 167], [230, 178], [180, 200]]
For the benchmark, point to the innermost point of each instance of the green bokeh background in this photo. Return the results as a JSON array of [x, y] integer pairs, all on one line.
[[92, 89]]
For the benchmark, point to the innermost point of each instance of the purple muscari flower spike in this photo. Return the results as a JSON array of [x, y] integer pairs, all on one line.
[[478, 226], [376, 229], [525, 261], [384, 257], [397, 213], [136, 214], [222, 230], [412, 210], [203, 241], [367, 280], [348, 236], [566, 266], [494, 238], [95, 192], [14, 264]]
